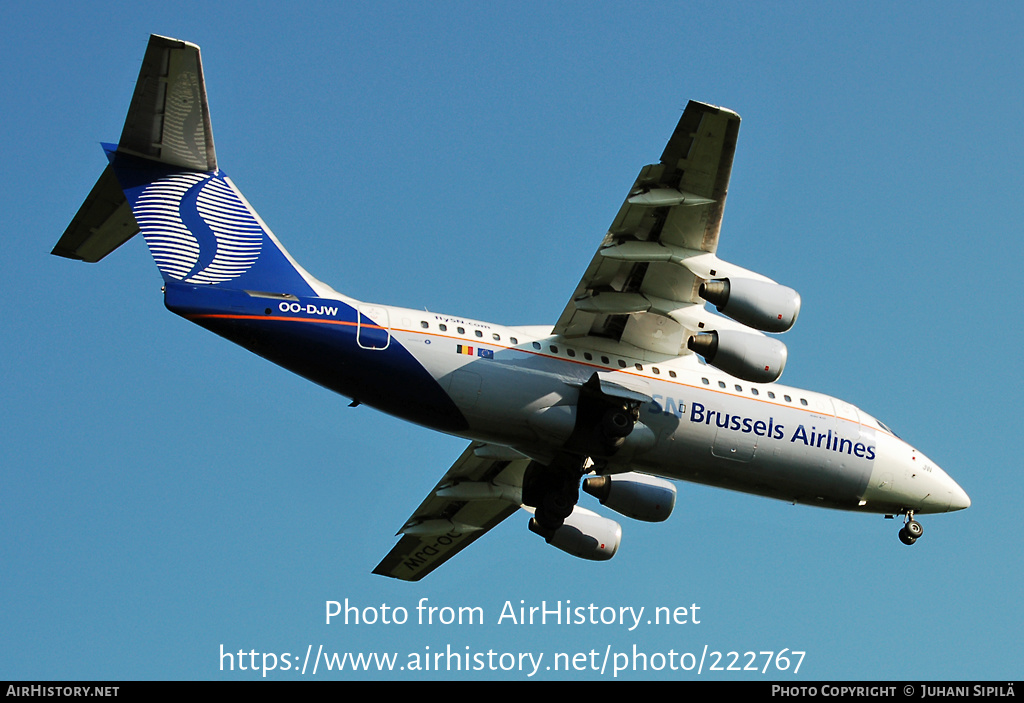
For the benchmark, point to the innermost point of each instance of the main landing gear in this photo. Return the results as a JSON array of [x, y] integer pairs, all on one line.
[[602, 424], [553, 490], [911, 530]]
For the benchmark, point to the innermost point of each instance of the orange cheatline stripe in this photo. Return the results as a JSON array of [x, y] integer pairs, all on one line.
[[278, 318]]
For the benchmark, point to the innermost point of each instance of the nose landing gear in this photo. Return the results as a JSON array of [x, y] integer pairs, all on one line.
[[911, 530]]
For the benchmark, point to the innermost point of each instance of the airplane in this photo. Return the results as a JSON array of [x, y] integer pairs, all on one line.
[[638, 383]]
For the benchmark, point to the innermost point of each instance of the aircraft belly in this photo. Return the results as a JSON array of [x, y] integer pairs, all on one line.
[[503, 395]]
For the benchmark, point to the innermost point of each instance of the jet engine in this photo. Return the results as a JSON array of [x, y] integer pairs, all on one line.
[[584, 534], [752, 357], [634, 495], [764, 306]]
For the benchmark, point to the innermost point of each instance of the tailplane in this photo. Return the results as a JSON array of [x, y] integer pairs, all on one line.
[[163, 180]]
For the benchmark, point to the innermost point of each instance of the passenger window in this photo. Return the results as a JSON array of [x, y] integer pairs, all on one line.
[[536, 345], [655, 370], [639, 367], [803, 402], [478, 333], [706, 381], [461, 330], [672, 373], [754, 391], [425, 325], [588, 356], [554, 349], [721, 384], [739, 388], [605, 360], [788, 399], [622, 364], [771, 394], [443, 327], [496, 337], [513, 340], [570, 352]]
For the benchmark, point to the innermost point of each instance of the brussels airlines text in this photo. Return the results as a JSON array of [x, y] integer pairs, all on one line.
[[770, 429]]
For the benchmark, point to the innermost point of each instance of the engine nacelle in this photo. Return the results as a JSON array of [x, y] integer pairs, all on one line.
[[752, 357], [638, 496], [584, 534], [764, 306]]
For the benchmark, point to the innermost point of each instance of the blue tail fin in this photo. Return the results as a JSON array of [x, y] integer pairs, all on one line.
[[163, 180]]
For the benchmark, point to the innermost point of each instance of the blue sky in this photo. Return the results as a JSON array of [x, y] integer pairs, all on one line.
[[166, 493]]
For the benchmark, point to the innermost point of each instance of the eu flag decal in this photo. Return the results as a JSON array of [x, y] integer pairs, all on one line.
[[485, 353]]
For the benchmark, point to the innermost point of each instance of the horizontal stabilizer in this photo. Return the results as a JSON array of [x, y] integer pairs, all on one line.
[[102, 224], [169, 119]]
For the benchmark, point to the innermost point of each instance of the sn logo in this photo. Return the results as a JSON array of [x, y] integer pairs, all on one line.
[[667, 406]]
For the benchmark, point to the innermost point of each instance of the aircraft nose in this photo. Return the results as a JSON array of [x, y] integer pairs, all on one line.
[[960, 500], [947, 489], [943, 493]]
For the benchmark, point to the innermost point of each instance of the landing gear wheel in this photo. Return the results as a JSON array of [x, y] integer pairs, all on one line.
[[555, 508], [617, 422], [557, 502], [913, 529], [906, 537], [538, 529]]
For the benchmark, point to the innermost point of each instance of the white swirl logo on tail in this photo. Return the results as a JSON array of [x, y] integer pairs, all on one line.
[[198, 229]]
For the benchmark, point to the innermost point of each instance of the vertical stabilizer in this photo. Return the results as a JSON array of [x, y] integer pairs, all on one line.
[[163, 180]]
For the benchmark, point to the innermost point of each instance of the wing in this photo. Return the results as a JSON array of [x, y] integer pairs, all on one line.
[[641, 287], [481, 489]]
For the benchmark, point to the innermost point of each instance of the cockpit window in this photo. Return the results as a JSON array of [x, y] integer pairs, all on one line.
[[886, 428]]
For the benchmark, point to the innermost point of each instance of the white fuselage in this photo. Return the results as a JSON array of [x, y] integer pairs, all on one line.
[[707, 427]]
